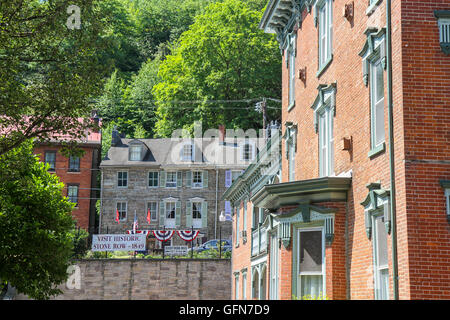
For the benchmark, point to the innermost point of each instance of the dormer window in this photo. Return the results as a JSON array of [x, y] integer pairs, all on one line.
[[135, 153], [247, 151], [187, 152]]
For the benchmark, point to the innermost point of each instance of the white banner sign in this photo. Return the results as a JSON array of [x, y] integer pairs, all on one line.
[[176, 250], [118, 242]]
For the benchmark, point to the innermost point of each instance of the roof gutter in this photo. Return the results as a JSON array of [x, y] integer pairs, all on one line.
[[391, 149]]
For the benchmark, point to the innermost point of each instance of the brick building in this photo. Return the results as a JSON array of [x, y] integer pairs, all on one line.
[[79, 174], [362, 210], [175, 182]]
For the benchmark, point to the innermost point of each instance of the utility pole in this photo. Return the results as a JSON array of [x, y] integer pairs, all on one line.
[[264, 112]]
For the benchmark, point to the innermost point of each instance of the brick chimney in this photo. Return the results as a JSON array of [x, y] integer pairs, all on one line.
[[221, 134]]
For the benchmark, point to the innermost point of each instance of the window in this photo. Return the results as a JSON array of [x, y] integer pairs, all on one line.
[[325, 20], [236, 286], [443, 17], [72, 194], [326, 143], [187, 152], [197, 179], [74, 164], [171, 180], [244, 285], [377, 103], [153, 208], [373, 4], [153, 179], [197, 214], [122, 209], [50, 158], [247, 152], [273, 294], [380, 250], [170, 214], [310, 263], [291, 52], [238, 210], [122, 179], [135, 152], [291, 159]]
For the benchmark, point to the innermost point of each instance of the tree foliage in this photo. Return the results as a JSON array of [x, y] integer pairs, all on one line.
[[223, 56], [35, 222], [48, 72]]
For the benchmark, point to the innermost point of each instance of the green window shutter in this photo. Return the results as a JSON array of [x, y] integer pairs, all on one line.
[[178, 213], [162, 213], [204, 214], [162, 181], [179, 179], [205, 179], [188, 214], [188, 179]]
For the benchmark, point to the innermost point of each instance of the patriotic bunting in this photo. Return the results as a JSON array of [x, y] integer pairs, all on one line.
[[163, 235], [146, 232], [188, 235]]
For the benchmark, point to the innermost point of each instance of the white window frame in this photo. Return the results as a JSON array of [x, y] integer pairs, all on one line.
[[153, 179], [187, 157], [71, 187], [379, 293], [274, 266], [118, 179], [197, 185], [135, 152], [326, 142], [236, 286], [324, 9], [291, 55], [171, 181], [126, 210], [153, 217], [166, 213], [197, 222], [375, 104], [244, 285], [299, 272], [251, 153]]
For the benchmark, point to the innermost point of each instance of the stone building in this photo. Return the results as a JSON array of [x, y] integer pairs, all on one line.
[[362, 209], [171, 184]]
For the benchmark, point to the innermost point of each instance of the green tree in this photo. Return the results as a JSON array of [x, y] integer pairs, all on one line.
[[36, 243], [48, 71], [223, 56]]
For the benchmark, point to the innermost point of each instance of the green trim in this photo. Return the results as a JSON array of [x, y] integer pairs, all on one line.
[[275, 196], [442, 14], [377, 150], [445, 184], [324, 66], [291, 106], [372, 7]]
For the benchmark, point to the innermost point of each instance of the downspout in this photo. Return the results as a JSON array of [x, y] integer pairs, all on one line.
[[101, 204], [391, 149], [215, 218]]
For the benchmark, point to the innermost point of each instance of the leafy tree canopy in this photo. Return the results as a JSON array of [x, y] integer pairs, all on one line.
[[35, 218], [223, 56]]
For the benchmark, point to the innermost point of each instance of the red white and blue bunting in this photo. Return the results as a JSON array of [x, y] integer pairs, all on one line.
[[188, 235], [163, 235], [166, 235]]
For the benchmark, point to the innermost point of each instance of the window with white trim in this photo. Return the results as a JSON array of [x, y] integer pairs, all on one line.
[[197, 214], [325, 21], [291, 52], [153, 179], [187, 152], [244, 285], [152, 206], [122, 179], [170, 214], [171, 179], [377, 103], [291, 158], [247, 151], [72, 193], [135, 152], [236, 286], [197, 179], [74, 164], [274, 261], [50, 158], [380, 258], [310, 263], [326, 142], [122, 209]]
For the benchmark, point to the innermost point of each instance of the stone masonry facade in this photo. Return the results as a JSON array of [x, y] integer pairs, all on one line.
[[142, 279]]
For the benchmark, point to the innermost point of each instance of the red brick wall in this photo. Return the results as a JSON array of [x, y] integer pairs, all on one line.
[[426, 83], [82, 178]]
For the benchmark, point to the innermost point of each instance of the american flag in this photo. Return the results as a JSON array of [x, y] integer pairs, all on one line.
[[135, 223], [117, 216], [148, 216]]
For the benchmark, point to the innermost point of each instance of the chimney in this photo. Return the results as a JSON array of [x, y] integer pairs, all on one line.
[[115, 137], [95, 118], [221, 134]]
